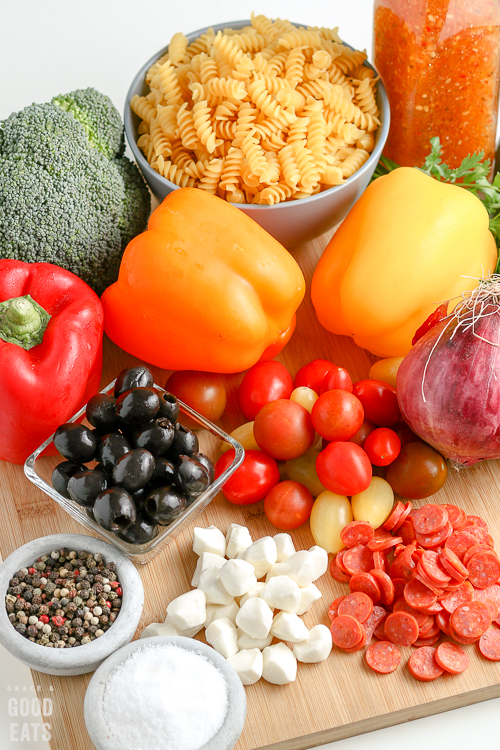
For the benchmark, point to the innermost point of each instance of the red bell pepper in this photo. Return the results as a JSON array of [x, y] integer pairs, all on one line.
[[51, 327]]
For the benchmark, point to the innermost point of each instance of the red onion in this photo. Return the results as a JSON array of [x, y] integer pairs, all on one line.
[[448, 385]]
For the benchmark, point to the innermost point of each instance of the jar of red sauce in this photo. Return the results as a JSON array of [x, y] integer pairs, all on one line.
[[440, 63]]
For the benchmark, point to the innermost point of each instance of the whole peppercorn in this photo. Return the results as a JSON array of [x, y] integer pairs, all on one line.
[[98, 588], [14, 581], [13, 617], [79, 632], [35, 609], [70, 607], [17, 590], [9, 607], [103, 619], [20, 627], [28, 596], [112, 616], [37, 600], [19, 604]]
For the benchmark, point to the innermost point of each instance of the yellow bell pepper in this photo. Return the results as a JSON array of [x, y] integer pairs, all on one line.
[[409, 243], [204, 288]]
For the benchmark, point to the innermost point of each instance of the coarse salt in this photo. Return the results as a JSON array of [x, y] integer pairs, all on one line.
[[165, 696]]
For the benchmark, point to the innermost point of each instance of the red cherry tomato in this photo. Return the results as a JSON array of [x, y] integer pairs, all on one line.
[[361, 435], [202, 391], [312, 374], [337, 415], [379, 402], [283, 429], [263, 383], [251, 481], [405, 434], [288, 505], [338, 377], [382, 446], [344, 468]]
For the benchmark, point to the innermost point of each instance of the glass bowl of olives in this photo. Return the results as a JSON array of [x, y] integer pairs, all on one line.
[[128, 469]]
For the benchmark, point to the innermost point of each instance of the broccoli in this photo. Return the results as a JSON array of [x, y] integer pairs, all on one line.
[[67, 194]]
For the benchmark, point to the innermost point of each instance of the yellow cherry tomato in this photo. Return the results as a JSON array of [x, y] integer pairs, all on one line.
[[303, 470], [244, 435], [304, 396], [386, 370], [329, 515], [374, 504]]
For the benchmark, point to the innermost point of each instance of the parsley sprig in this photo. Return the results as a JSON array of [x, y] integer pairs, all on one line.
[[472, 174]]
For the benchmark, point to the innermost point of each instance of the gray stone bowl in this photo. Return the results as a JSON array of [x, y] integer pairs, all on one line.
[[84, 658], [290, 222], [224, 739]]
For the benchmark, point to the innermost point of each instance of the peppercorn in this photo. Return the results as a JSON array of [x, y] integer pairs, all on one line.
[[20, 627]]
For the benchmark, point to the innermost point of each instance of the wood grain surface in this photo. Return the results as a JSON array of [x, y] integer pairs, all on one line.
[[338, 698]]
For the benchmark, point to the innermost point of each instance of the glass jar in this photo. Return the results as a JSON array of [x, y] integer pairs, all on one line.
[[440, 62]]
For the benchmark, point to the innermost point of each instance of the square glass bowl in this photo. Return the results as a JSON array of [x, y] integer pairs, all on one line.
[[39, 471]]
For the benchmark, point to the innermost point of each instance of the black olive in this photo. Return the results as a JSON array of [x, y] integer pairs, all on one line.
[[134, 470], [203, 459], [133, 377], [62, 474], [114, 509], [169, 406], [100, 413], [164, 504], [84, 486], [163, 474], [139, 532], [191, 476], [137, 407], [75, 442], [156, 436], [185, 442], [112, 447]]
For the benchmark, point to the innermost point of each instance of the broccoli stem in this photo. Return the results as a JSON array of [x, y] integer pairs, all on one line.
[[23, 322]]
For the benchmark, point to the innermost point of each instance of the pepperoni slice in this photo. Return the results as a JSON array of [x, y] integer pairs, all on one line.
[[404, 565], [489, 645], [386, 587], [336, 573], [431, 565], [471, 620], [473, 551], [452, 564], [381, 533], [404, 515], [377, 616], [423, 665], [379, 631], [407, 531], [432, 610], [451, 658], [456, 515], [425, 628], [356, 532], [381, 544], [357, 559], [357, 605], [427, 641], [383, 657], [400, 605], [339, 557], [367, 584], [480, 535], [484, 569], [429, 519], [333, 609], [399, 587], [491, 597], [459, 542], [359, 645], [347, 631], [419, 575], [437, 539], [394, 516], [476, 521], [443, 621], [417, 595], [380, 561], [401, 628], [462, 595]]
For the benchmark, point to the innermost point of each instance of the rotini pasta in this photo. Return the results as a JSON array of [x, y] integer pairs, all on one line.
[[268, 113]]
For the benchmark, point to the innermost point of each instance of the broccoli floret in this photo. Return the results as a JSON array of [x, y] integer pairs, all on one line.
[[62, 200]]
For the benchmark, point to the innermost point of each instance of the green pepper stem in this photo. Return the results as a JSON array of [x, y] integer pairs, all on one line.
[[23, 322]]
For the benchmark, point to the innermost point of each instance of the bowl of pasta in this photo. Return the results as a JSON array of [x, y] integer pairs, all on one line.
[[286, 122]]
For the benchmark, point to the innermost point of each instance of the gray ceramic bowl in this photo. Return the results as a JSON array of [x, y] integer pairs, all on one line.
[[290, 222], [224, 739], [85, 658]]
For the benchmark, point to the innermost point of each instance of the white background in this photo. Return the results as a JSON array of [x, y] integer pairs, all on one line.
[[50, 47]]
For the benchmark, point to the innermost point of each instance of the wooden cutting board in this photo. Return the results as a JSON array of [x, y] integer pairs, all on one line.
[[338, 698]]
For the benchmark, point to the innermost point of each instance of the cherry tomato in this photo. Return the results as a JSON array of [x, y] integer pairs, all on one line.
[[419, 471], [382, 446], [283, 429], [288, 505], [303, 470], [344, 468], [312, 374], [379, 402], [386, 370], [251, 481], [405, 434], [361, 435], [337, 415], [263, 383], [304, 396], [202, 391], [337, 377]]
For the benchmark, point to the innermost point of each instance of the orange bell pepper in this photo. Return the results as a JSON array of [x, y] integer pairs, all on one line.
[[204, 288]]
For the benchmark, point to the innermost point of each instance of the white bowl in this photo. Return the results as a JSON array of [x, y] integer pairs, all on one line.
[[84, 658], [224, 739]]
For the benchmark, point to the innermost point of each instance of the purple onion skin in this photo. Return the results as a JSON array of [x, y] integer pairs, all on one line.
[[460, 416]]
